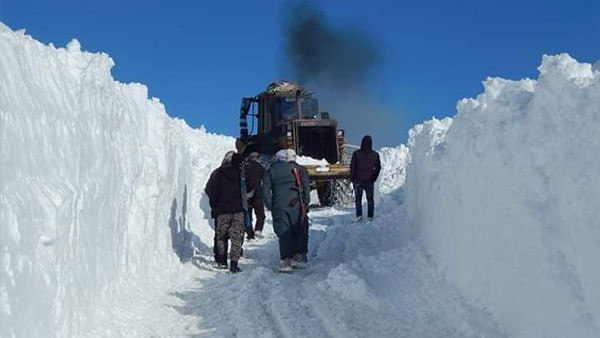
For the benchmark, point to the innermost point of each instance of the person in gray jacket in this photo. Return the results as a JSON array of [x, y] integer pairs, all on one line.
[[288, 202]]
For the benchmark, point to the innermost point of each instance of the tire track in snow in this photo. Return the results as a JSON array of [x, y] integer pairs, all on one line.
[[291, 304], [286, 301], [332, 328], [291, 308], [277, 319], [253, 311]]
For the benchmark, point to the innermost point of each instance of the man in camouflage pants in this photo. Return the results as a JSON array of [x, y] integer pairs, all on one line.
[[225, 199], [230, 226]]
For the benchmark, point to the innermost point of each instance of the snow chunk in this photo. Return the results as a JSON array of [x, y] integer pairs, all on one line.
[[433, 131], [393, 168], [307, 160], [349, 285], [4, 28], [563, 66], [74, 46]]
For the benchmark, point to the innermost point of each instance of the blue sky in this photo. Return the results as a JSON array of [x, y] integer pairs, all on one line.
[[201, 57]]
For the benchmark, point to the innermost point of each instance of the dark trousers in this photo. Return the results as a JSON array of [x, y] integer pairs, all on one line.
[[293, 242], [216, 246], [368, 188], [248, 229], [259, 211]]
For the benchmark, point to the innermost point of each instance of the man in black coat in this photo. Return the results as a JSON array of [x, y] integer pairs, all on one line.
[[225, 198], [364, 171], [254, 174], [226, 161]]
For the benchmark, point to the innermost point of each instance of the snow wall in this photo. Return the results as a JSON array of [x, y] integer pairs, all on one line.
[[506, 197], [97, 184]]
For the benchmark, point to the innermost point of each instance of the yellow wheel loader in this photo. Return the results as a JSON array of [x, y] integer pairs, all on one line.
[[286, 116]]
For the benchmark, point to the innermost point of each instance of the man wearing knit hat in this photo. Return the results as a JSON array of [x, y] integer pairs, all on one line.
[[225, 198]]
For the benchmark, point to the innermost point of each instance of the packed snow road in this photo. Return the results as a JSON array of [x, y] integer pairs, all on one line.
[[350, 289]]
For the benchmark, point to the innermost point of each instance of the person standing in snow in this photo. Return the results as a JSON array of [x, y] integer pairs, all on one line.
[[254, 175], [288, 202], [225, 162], [247, 193], [364, 171], [225, 198]]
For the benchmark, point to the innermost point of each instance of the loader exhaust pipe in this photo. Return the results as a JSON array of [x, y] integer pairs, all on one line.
[[298, 105]]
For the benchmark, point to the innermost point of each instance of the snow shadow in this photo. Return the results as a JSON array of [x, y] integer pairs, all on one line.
[[205, 207], [183, 240], [219, 297]]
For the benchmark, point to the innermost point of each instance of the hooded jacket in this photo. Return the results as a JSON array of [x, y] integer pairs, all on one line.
[[365, 164], [254, 174], [278, 191], [224, 188]]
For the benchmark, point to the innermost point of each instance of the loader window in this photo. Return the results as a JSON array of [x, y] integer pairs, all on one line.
[[310, 108], [285, 108]]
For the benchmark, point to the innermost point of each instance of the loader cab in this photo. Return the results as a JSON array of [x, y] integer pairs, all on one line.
[[276, 111], [286, 109], [290, 119]]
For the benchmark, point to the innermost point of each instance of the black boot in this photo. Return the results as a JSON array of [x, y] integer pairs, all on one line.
[[223, 262], [233, 267], [249, 233]]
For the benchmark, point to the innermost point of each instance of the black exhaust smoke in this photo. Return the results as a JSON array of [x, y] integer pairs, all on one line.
[[337, 62], [320, 53]]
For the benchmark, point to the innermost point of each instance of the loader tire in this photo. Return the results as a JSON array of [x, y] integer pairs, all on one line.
[[325, 195]]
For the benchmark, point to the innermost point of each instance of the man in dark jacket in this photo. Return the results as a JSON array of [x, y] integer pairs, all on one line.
[[226, 161], [364, 171], [254, 175], [225, 199], [288, 202]]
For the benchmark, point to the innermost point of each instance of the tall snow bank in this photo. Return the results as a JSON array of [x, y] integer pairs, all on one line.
[[506, 197], [393, 168], [96, 185]]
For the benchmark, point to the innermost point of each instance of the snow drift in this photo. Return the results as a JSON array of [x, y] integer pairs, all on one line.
[[97, 185], [506, 197]]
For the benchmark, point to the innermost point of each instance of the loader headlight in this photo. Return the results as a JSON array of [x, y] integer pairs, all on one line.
[[341, 132]]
